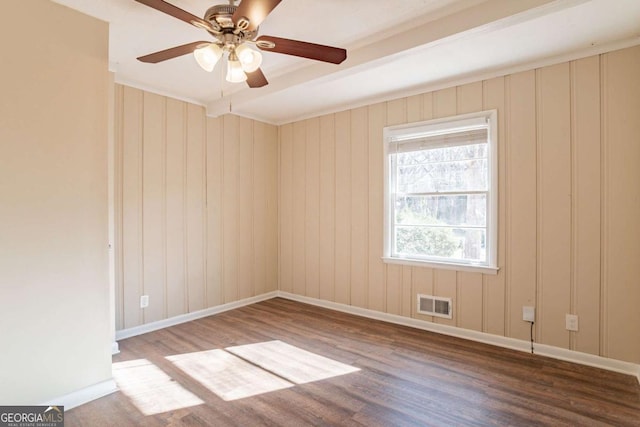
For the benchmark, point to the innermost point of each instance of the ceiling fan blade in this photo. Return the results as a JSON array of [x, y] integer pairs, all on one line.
[[173, 52], [318, 52], [254, 11], [176, 12], [256, 79]]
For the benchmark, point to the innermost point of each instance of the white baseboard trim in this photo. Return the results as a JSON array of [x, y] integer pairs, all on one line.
[[505, 342], [511, 343], [115, 348], [183, 318], [85, 395]]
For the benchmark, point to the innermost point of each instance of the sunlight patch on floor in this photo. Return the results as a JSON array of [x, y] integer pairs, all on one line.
[[292, 363], [150, 389], [226, 375]]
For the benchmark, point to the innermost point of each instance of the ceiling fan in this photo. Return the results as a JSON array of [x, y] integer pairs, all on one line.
[[235, 31]]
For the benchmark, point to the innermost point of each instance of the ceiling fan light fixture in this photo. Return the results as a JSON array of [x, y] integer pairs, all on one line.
[[207, 57], [235, 73], [249, 58], [235, 31]]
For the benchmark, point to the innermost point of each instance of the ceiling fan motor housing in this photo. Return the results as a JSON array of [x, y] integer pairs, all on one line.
[[221, 19]]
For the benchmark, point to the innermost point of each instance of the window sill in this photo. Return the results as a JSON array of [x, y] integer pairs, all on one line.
[[442, 265]]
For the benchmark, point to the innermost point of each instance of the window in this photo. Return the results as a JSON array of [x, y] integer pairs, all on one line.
[[441, 192]]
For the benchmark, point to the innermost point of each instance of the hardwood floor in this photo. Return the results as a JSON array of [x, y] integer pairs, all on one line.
[[407, 377]]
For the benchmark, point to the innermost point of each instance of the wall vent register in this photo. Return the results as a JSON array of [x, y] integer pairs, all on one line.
[[434, 306]]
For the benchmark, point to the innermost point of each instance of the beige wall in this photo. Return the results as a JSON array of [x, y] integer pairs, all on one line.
[[196, 207], [198, 223], [54, 293], [569, 203]]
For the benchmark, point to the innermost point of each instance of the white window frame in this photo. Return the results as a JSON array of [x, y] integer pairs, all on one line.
[[414, 131]]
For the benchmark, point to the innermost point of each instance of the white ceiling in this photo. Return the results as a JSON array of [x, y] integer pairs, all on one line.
[[395, 48]]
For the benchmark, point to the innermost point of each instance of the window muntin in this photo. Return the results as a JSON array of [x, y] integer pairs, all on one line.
[[440, 191]]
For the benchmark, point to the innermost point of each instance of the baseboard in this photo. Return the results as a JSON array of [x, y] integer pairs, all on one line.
[[115, 348], [505, 342], [511, 343], [589, 360], [183, 318], [85, 395]]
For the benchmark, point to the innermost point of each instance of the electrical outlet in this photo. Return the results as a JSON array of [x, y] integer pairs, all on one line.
[[572, 322], [528, 313], [144, 301]]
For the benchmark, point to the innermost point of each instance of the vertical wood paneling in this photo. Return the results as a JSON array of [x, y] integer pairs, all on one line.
[[327, 188], [445, 284], [231, 154], [621, 245], [469, 300], [415, 105], [285, 212], [195, 207], [427, 106], [117, 203], [394, 289], [259, 208], [494, 285], [185, 185], [132, 207], [554, 198], [271, 215], [376, 117], [469, 98], [153, 206], [298, 217], [359, 207], [312, 208], [422, 279], [585, 101], [321, 180], [175, 197], [407, 290], [445, 102], [215, 202], [521, 200], [604, 208], [342, 289], [245, 209], [396, 112]]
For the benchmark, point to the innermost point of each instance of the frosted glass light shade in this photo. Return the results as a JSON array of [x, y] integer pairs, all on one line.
[[208, 56], [235, 73], [249, 58]]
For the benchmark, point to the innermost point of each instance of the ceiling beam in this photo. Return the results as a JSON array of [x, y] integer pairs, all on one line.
[[480, 17]]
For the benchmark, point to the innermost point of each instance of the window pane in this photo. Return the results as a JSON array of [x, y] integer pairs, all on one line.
[[445, 242], [461, 210], [459, 168], [439, 191]]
